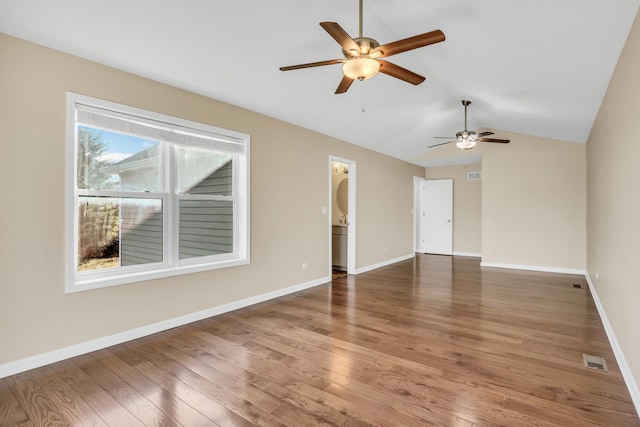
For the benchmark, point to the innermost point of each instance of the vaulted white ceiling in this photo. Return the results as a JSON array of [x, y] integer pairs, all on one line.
[[536, 67]]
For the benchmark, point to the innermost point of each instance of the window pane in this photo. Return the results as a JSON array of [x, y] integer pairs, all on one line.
[[116, 161], [98, 233], [141, 236], [202, 171], [114, 232], [206, 228]]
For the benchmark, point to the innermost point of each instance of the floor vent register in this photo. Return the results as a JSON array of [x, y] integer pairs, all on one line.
[[594, 362]]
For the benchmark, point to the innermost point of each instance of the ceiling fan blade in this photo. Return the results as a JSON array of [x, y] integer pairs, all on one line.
[[442, 143], [311, 64], [340, 36], [483, 134], [502, 141], [344, 85], [409, 43], [398, 72]]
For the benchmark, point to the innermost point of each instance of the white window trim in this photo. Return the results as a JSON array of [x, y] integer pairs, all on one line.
[[124, 275]]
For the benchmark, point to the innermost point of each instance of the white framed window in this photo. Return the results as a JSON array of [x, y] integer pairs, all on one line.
[[150, 195]]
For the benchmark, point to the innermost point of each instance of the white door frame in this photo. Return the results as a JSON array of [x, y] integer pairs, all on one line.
[[351, 228], [417, 212]]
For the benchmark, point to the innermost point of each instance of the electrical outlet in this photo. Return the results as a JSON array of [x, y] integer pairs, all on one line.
[[386, 249], [305, 265], [596, 276]]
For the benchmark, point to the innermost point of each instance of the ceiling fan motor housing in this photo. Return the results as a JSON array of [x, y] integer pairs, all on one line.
[[365, 45], [466, 134]]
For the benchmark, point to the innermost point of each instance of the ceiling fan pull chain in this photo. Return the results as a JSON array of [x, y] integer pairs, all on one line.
[[362, 96]]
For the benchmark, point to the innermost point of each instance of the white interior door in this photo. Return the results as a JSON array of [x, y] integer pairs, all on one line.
[[437, 216]]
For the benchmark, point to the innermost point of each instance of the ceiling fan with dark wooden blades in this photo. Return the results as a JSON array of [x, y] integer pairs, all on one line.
[[467, 139], [361, 55]]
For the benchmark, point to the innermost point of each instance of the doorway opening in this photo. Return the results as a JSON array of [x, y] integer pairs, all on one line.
[[342, 189]]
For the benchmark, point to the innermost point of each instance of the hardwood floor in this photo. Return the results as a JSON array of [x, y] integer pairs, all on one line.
[[431, 341]]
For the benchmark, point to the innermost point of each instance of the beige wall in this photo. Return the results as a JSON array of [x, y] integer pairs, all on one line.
[[289, 187], [613, 212], [533, 201], [467, 206]]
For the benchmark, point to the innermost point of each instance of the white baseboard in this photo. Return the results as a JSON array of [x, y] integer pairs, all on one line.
[[534, 268], [632, 386], [22, 365], [470, 254], [384, 263]]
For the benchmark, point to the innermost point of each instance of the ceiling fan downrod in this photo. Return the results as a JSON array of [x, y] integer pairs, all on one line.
[[360, 33], [465, 103]]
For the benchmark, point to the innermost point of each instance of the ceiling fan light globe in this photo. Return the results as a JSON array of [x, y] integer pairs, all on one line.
[[360, 68], [466, 144]]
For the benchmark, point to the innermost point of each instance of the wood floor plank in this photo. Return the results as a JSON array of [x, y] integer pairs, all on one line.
[[432, 341], [11, 413], [248, 405], [66, 400], [35, 402], [208, 407], [109, 409], [212, 409], [128, 397], [162, 397], [285, 397]]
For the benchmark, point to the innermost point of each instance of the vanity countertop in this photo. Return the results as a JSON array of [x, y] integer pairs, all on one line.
[[340, 229]]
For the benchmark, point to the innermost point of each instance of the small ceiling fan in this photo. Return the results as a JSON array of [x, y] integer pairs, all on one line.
[[466, 139], [361, 55]]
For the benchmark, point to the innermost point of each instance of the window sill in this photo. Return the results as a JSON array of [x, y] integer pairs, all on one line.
[[86, 284]]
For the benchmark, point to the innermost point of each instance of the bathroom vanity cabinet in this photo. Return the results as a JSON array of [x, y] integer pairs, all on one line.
[[339, 247]]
